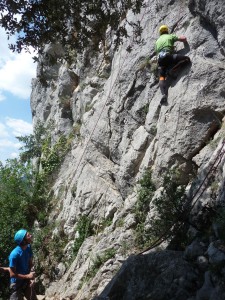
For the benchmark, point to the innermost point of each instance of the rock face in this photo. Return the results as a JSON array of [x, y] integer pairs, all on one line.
[[156, 276], [110, 104]]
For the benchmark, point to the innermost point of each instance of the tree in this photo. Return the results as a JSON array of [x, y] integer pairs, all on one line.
[[73, 23], [32, 144], [16, 209]]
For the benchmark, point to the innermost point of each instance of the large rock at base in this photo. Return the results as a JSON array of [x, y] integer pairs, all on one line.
[[155, 276]]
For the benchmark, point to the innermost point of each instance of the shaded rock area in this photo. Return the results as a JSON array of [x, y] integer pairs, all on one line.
[[107, 104], [169, 275], [163, 275]]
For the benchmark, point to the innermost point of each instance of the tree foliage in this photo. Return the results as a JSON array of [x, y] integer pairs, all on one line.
[[169, 210], [32, 144], [73, 23], [84, 230], [15, 198], [23, 197], [17, 208]]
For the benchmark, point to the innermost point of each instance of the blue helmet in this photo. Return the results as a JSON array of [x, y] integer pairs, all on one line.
[[19, 236]]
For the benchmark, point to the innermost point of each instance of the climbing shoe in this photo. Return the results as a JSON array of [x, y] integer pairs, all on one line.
[[163, 100]]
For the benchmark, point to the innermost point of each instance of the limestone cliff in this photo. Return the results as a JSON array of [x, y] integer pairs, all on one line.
[[108, 103]]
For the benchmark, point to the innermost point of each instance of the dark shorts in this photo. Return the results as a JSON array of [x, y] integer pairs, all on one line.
[[22, 289], [168, 61]]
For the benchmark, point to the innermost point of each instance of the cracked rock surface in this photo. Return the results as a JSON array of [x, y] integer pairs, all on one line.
[[119, 130]]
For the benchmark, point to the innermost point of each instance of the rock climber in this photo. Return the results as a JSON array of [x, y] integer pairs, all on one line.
[[168, 61], [20, 265]]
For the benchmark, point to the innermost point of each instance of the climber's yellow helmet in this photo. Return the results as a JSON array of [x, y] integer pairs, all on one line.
[[163, 29]]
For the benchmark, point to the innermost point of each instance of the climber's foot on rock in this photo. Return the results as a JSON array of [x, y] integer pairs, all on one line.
[[163, 100]]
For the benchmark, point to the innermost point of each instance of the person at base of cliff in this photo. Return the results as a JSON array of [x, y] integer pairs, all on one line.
[[168, 61], [20, 265]]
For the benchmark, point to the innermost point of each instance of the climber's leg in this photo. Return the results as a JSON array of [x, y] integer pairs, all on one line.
[[163, 84], [179, 62], [163, 88]]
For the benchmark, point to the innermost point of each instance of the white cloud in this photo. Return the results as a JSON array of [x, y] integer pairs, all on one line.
[[19, 127], [2, 97], [16, 70], [6, 54], [9, 130], [16, 74], [14, 155], [9, 144], [9, 148], [3, 131]]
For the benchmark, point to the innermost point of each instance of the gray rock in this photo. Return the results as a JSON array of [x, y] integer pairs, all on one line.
[[216, 253], [156, 278], [60, 270], [118, 130], [202, 262], [195, 249], [207, 289]]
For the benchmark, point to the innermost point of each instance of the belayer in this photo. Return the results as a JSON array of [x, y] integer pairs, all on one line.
[[20, 268], [168, 61]]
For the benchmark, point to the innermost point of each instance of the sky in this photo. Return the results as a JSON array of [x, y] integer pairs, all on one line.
[[16, 72]]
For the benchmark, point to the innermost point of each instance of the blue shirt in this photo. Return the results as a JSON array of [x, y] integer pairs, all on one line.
[[20, 259]]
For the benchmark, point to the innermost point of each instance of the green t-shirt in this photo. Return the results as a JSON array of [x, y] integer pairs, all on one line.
[[166, 41]]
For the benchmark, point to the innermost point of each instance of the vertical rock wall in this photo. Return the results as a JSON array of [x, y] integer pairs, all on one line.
[[112, 99]]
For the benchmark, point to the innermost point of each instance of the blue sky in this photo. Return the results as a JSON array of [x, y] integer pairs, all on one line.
[[16, 72]]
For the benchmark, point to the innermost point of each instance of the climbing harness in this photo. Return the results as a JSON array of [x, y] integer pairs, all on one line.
[[163, 53]]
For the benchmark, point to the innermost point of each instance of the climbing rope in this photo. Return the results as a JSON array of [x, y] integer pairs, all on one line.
[[89, 139], [101, 112], [106, 101], [81, 157], [152, 55]]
